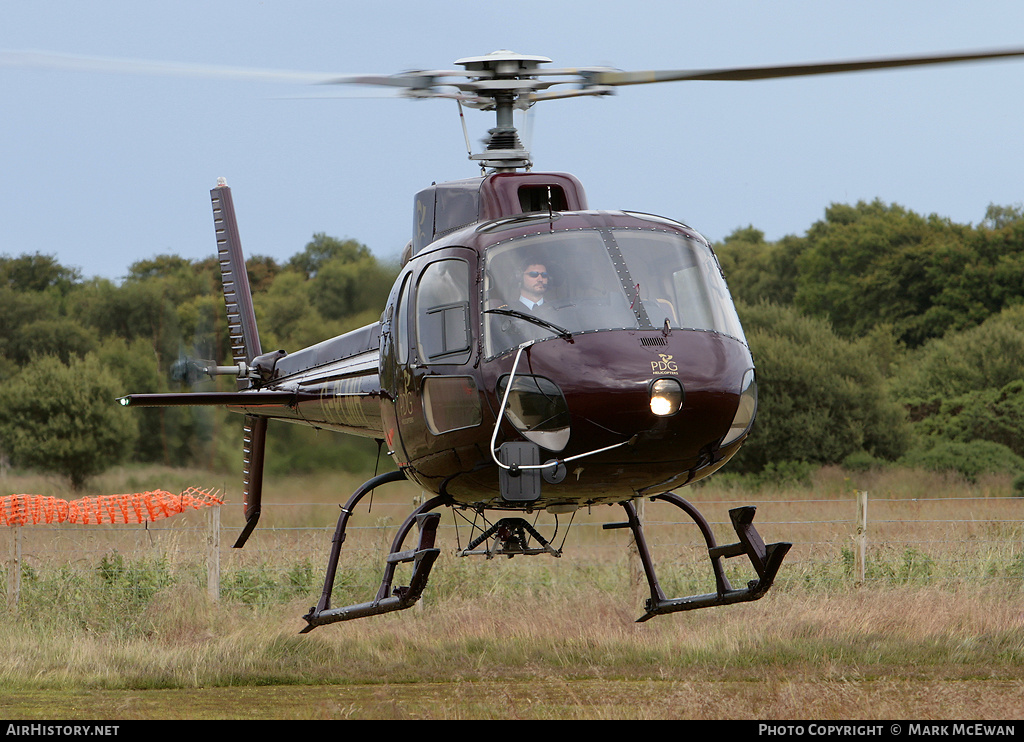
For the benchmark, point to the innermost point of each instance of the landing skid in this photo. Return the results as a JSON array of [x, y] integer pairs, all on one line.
[[388, 599], [512, 536], [765, 559]]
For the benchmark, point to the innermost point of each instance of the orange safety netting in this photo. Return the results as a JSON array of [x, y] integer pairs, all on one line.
[[21, 510]]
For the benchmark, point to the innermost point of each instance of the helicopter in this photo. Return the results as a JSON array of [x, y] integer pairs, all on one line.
[[535, 354]]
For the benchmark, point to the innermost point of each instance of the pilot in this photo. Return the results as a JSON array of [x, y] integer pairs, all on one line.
[[533, 286], [529, 285]]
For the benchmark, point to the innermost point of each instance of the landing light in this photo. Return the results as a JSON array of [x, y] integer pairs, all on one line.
[[666, 397]]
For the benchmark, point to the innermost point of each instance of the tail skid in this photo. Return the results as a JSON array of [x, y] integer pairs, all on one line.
[[254, 443]]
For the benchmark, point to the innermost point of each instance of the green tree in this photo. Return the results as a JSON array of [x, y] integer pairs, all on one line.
[[971, 459], [924, 276], [286, 317], [988, 356], [995, 415], [877, 262], [322, 249], [160, 266], [758, 270], [261, 270], [137, 309], [343, 288], [64, 418], [965, 395], [820, 398], [37, 272], [999, 217], [17, 309], [63, 337]]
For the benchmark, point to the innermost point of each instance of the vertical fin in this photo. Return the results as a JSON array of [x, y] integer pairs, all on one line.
[[245, 345], [245, 339]]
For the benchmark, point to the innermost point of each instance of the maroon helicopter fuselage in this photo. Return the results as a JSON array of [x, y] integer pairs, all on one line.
[[533, 354], [633, 299]]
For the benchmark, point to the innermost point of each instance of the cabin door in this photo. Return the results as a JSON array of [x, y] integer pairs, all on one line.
[[436, 389]]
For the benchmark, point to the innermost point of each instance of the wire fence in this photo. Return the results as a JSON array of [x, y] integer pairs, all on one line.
[[837, 541]]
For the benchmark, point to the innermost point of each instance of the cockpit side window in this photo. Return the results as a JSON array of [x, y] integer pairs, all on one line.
[[442, 313]]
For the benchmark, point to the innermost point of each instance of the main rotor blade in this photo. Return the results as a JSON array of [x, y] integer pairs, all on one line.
[[84, 63], [414, 80], [611, 77], [428, 83]]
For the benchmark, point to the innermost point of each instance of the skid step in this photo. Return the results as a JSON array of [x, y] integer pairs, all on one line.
[[388, 599], [765, 559]]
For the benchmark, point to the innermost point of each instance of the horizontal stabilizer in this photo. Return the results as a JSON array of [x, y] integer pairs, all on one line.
[[228, 399]]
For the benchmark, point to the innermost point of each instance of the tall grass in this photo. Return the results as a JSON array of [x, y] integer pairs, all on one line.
[[131, 610]]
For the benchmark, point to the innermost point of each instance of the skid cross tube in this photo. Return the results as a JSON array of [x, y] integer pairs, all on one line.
[[386, 600], [511, 536], [766, 560]]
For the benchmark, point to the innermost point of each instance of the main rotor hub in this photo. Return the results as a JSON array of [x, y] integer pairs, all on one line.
[[503, 63]]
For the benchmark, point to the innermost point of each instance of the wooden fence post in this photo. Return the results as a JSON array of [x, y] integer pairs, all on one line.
[[213, 555], [861, 538], [14, 569]]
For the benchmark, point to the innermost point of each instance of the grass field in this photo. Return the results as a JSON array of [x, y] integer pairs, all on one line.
[[120, 626]]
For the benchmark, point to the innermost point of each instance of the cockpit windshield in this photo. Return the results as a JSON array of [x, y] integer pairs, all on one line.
[[576, 281]]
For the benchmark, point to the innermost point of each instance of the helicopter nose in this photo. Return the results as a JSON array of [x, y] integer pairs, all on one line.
[[682, 403]]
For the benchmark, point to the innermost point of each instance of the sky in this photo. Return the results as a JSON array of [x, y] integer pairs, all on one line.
[[104, 169]]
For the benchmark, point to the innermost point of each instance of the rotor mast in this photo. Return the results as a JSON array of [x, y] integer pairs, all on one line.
[[504, 81]]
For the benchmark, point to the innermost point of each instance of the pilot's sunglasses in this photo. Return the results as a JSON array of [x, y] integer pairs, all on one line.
[[534, 274]]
